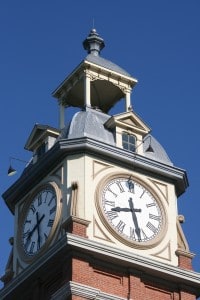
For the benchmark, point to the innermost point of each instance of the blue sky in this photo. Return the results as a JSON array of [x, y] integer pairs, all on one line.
[[156, 41]]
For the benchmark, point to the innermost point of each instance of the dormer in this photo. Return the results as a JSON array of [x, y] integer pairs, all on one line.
[[41, 139], [129, 131]]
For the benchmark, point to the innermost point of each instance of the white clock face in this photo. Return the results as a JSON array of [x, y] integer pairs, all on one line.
[[131, 210], [39, 220]]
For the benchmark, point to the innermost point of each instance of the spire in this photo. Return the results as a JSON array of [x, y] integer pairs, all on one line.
[[93, 43]]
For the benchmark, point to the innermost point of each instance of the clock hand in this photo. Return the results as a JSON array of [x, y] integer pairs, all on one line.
[[38, 229], [134, 217], [36, 225], [126, 209], [118, 209]]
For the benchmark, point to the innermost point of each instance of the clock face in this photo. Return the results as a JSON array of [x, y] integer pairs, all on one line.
[[131, 210], [39, 220]]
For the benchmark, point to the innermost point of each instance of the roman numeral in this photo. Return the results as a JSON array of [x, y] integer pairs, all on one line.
[[52, 210], [26, 234], [131, 186], [46, 236], [151, 227], [32, 247], [52, 198], [132, 233], [154, 217], [142, 193], [111, 203], [27, 243], [145, 237], [39, 199], [150, 204], [120, 226], [50, 223], [112, 192], [120, 186], [28, 221], [32, 207], [112, 214], [38, 246], [45, 200]]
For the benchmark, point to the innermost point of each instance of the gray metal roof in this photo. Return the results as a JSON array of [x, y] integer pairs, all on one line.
[[159, 153], [98, 60], [94, 44], [90, 123]]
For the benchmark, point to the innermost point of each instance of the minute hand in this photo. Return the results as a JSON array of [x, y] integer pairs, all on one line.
[[134, 217]]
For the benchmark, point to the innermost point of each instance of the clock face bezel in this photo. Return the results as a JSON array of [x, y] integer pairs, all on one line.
[[48, 186], [115, 209]]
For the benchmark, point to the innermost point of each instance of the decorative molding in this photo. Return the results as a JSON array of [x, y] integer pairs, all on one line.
[[99, 233], [180, 252], [165, 253], [162, 188], [77, 289], [182, 242], [98, 167]]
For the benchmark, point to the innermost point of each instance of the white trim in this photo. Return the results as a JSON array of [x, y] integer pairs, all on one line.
[[74, 288]]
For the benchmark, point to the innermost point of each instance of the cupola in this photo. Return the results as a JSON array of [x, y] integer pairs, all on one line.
[[96, 82]]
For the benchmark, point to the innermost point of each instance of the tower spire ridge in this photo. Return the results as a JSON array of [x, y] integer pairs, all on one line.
[[93, 43]]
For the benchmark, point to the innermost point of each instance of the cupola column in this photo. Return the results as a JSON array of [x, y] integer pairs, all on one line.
[[87, 101], [128, 100]]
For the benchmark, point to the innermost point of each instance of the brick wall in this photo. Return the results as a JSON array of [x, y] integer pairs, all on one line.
[[125, 284]]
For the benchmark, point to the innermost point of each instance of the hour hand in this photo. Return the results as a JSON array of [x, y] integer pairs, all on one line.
[[118, 209]]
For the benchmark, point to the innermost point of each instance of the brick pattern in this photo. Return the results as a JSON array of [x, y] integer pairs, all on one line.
[[186, 296], [99, 278], [123, 284], [185, 262], [76, 226], [156, 294]]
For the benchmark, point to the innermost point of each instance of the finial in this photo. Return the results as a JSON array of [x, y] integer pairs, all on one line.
[[93, 43]]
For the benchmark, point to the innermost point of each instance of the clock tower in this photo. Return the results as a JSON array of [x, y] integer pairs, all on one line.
[[95, 210]]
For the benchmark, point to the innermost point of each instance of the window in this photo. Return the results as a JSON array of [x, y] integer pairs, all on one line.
[[128, 141]]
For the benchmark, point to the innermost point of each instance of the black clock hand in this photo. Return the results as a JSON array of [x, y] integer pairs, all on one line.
[[118, 209], [135, 221], [36, 225], [126, 209], [38, 229]]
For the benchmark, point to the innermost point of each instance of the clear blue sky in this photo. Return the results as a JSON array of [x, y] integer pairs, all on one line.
[[156, 41]]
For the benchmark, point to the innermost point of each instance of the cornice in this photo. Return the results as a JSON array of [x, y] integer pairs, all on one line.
[[74, 288], [135, 262], [33, 174]]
